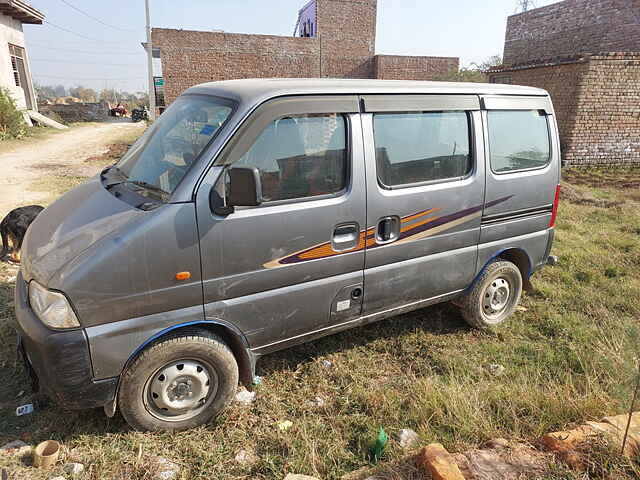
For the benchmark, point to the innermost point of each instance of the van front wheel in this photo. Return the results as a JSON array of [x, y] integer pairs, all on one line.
[[179, 383], [494, 296]]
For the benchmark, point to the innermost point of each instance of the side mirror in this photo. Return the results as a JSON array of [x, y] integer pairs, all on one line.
[[244, 189]]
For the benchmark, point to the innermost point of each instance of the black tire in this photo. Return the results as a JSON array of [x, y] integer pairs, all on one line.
[[200, 350], [494, 296]]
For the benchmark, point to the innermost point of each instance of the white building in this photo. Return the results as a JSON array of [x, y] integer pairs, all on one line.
[[15, 74]]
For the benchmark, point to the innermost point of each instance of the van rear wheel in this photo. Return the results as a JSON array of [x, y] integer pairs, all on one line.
[[494, 295], [179, 383]]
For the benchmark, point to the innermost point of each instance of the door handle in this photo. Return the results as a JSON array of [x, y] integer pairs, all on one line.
[[345, 237], [388, 229]]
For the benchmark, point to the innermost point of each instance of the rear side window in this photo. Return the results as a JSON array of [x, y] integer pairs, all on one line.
[[413, 148], [300, 156], [518, 140]]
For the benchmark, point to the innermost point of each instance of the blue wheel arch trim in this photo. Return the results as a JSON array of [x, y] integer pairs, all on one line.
[[163, 332], [529, 272]]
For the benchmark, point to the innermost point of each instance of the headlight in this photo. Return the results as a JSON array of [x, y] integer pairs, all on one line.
[[52, 308]]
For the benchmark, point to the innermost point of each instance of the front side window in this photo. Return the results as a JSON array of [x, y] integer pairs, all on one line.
[[300, 156], [414, 148], [518, 140], [164, 154]]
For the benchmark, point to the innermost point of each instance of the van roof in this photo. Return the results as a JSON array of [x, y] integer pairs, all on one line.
[[260, 89]]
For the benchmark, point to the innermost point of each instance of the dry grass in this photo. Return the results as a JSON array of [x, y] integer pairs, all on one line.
[[569, 358]]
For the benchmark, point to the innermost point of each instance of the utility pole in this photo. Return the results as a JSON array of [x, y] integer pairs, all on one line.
[[152, 90], [525, 5]]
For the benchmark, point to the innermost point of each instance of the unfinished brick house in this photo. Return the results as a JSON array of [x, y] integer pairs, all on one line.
[[586, 53], [333, 38]]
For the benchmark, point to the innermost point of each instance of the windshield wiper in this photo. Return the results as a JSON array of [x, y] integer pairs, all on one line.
[[148, 186], [121, 176]]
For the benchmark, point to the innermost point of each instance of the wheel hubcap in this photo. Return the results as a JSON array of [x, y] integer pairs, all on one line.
[[496, 297], [180, 390]]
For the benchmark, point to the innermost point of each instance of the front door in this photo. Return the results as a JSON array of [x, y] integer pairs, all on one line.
[[294, 264], [425, 176]]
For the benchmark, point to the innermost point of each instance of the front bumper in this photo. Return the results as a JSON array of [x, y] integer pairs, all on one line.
[[59, 361]]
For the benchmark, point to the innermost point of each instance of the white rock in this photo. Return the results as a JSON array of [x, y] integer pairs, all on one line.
[[12, 279], [245, 397], [73, 468], [495, 369], [167, 469], [318, 402], [293, 476], [246, 457], [327, 363], [13, 445], [407, 438]]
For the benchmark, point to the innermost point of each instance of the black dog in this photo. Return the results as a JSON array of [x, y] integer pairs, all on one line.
[[13, 228]]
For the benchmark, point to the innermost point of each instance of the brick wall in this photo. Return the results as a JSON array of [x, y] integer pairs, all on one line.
[[398, 67], [348, 35], [192, 57], [572, 27], [607, 120], [344, 48], [597, 104]]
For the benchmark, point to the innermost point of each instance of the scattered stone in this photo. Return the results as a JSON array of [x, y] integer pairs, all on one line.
[[284, 425], [167, 469], [434, 460], [500, 464], [327, 363], [495, 369], [360, 474], [521, 308], [246, 457], [293, 476], [74, 469], [498, 443], [245, 397], [13, 446], [318, 402], [16, 448], [408, 438]]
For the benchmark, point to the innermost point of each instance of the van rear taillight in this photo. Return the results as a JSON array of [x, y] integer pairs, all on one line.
[[554, 210]]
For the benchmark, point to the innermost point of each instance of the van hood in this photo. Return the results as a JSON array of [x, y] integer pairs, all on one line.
[[69, 226]]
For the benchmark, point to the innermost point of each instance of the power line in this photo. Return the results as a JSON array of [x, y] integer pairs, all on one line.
[[86, 78], [86, 63], [525, 5], [94, 52], [74, 33], [94, 18]]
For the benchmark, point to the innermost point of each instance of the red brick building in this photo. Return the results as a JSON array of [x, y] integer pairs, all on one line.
[[336, 38], [586, 53]]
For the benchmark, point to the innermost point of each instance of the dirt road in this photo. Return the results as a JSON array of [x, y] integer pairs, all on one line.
[[63, 153]]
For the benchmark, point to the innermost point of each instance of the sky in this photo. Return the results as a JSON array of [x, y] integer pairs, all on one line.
[[103, 50]]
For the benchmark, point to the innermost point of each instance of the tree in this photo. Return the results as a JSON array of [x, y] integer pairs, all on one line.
[[45, 92], [475, 72], [60, 91], [84, 94]]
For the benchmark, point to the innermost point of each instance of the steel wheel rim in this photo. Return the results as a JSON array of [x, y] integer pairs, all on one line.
[[180, 390], [496, 298]]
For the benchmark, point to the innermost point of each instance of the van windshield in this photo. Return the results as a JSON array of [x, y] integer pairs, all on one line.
[[161, 157]]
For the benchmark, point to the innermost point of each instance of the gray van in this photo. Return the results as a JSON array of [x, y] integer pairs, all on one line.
[[259, 214]]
